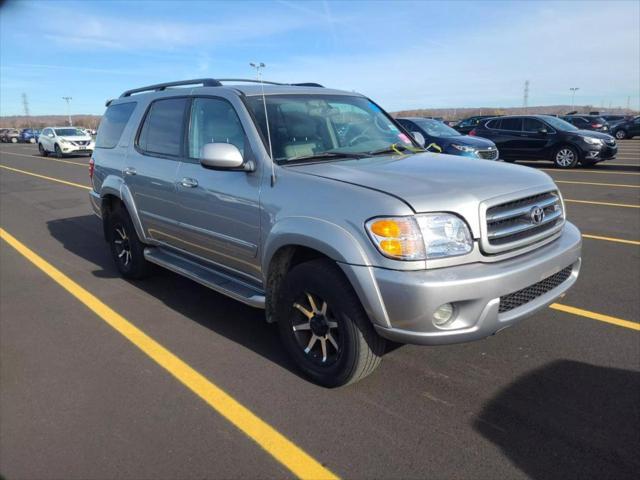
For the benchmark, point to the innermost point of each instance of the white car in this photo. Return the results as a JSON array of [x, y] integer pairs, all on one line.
[[64, 141]]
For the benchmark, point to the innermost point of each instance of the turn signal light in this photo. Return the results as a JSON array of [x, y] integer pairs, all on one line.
[[397, 237]]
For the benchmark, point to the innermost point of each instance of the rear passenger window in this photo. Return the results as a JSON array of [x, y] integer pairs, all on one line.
[[113, 123], [513, 124], [533, 125], [213, 121], [163, 127], [493, 123]]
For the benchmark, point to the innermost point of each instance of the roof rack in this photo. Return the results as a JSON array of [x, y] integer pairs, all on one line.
[[205, 82], [210, 82]]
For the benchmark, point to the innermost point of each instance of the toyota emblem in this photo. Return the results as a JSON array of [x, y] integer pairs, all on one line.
[[537, 215]]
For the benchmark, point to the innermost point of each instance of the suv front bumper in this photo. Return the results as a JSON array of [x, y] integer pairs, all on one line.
[[409, 299]]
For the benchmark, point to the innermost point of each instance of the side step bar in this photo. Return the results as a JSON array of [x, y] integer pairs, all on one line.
[[215, 280]]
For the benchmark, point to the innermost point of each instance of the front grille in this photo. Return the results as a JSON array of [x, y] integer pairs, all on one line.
[[526, 295], [488, 154], [521, 222]]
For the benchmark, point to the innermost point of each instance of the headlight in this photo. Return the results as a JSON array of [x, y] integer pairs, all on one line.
[[592, 141], [464, 148], [445, 235], [432, 235]]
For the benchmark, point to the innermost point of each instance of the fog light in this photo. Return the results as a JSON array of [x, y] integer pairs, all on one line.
[[443, 315]]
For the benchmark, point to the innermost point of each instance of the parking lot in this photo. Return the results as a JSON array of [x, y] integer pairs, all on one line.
[[163, 378]]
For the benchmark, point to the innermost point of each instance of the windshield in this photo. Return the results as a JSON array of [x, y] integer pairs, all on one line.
[[560, 124], [70, 132], [435, 128], [326, 126]]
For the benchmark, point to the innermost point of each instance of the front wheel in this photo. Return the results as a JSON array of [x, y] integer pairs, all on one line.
[[621, 134], [58, 151], [566, 157], [14, 140], [32, 140], [324, 328], [42, 151]]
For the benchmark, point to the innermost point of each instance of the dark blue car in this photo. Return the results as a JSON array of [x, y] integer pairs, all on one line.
[[444, 139], [29, 135]]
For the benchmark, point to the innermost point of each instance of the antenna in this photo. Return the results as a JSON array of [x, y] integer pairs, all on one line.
[[259, 67]]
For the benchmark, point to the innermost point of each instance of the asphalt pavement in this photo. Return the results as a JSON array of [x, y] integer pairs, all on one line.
[[557, 396]]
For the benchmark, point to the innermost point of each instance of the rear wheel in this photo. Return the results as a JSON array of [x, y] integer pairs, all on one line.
[[126, 248], [14, 140], [621, 134], [58, 151], [566, 157], [42, 151], [324, 328]]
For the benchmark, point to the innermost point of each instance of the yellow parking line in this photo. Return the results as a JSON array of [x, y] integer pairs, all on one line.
[[608, 204], [605, 172], [596, 316], [49, 159], [273, 442], [610, 239], [598, 184], [45, 177]]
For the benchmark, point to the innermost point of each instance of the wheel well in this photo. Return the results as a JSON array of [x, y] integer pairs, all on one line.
[[281, 263], [109, 203]]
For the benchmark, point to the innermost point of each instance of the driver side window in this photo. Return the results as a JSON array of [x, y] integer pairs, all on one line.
[[213, 120]]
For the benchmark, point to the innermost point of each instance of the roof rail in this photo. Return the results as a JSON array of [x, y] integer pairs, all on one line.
[[205, 82], [250, 80]]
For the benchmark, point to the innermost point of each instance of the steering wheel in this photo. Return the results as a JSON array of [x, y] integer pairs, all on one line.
[[362, 136]]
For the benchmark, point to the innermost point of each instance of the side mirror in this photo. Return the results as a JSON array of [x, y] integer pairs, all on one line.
[[221, 156], [418, 137], [543, 130]]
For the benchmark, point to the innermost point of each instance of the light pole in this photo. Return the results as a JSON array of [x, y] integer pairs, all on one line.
[[573, 95], [68, 99]]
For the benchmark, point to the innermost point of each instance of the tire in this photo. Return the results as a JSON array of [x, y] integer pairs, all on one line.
[[566, 157], [32, 140], [320, 302], [58, 152], [621, 134], [14, 140], [126, 248], [42, 151]]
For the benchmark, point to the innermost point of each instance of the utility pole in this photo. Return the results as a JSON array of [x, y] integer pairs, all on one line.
[[629, 103], [525, 100], [68, 99], [25, 104], [573, 95]]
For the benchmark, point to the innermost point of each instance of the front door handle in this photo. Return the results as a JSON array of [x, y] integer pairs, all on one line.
[[130, 171], [189, 182]]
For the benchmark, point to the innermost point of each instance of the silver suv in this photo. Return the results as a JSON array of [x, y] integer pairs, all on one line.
[[316, 206]]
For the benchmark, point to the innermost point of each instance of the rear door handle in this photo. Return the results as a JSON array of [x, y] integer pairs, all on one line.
[[130, 171], [189, 182]]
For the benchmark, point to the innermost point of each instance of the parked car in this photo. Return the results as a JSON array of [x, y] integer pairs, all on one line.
[[543, 137], [627, 129], [611, 119], [313, 204], [10, 135], [29, 135], [448, 140], [2, 130], [64, 141], [587, 122], [468, 124]]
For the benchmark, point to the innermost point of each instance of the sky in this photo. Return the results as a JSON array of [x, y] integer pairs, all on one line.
[[402, 54]]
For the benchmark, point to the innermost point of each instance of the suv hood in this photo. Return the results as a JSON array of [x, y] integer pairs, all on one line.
[[75, 138], [431, 182]]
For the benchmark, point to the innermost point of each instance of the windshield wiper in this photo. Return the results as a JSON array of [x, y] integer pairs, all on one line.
[[396, 148], [322, 156]]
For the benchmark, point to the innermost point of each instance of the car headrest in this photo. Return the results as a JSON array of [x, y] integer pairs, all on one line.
[[299, 125]]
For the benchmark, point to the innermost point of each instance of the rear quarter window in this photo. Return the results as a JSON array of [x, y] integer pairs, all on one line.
[[113, 123]]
